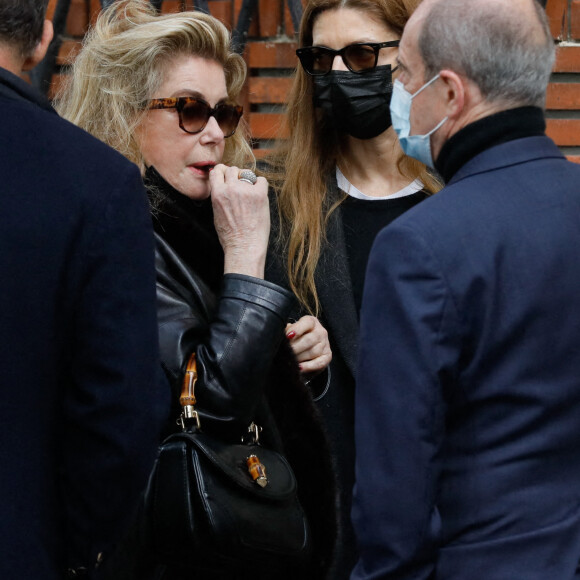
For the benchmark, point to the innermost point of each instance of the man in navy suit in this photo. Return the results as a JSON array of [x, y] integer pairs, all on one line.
[[81, 404], [468, 393]]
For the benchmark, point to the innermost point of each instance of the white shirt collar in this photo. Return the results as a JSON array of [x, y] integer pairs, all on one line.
[[350, 189]]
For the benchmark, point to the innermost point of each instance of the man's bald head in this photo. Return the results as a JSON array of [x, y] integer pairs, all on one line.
[[505, 48]]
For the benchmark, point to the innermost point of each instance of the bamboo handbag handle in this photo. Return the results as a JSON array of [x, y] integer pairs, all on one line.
[[187, 399]]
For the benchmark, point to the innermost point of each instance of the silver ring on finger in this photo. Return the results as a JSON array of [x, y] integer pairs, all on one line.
[[248, 176]]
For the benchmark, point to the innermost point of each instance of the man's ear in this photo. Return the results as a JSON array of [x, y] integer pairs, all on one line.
[[454, 93], [41, 48]]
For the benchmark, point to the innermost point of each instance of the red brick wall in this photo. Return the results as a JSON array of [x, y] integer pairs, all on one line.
[[563, 102], [271, 60]]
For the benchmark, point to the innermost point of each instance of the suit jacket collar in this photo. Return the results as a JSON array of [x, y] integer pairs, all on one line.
[[14, 87], [334, 286], [508, 154]]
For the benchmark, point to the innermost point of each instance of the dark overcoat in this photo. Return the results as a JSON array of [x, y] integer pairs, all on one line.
[[333, 389], [468, 400], [82, 401]]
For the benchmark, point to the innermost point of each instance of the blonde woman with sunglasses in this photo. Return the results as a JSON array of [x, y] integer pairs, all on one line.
[[163, 90]]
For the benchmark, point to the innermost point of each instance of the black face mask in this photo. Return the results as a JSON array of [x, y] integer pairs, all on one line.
[[356, 103]]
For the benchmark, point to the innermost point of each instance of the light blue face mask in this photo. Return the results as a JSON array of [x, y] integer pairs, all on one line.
[[416, 146]]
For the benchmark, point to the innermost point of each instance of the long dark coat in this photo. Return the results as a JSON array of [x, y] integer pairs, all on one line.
[[82, 401]]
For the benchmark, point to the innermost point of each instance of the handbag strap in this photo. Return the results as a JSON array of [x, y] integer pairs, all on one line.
[[189, 415]]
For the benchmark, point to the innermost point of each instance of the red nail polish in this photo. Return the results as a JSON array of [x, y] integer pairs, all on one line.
[[291, 335]]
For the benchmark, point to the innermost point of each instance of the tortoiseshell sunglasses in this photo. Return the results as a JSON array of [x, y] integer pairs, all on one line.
[[194, 113]]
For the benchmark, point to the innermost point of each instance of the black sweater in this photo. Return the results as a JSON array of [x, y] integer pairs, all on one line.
[[486, 133]]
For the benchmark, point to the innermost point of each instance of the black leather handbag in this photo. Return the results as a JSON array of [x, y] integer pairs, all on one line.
[[224, 506]]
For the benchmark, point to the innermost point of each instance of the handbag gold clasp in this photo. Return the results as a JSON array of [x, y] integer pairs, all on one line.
[[190, 414], [252, 437]]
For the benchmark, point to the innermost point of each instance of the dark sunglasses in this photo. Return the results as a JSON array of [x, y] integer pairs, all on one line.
[[194, 113], [359, 57]]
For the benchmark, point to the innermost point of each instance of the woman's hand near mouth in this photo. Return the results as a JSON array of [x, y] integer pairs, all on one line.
[[242, 220]]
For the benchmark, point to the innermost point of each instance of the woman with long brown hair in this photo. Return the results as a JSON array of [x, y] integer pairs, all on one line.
[[338, 179]]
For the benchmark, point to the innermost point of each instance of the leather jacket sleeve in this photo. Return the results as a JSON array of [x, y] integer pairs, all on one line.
[[235, 335]]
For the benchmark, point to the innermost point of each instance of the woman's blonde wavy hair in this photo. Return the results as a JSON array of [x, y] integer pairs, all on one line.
[[122, 63], [299, 168]]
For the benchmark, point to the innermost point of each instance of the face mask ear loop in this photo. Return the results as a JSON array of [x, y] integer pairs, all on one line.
[[437, 127], [426, 85]]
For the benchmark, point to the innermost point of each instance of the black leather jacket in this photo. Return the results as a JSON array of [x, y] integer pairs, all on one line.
[[236, 337], [246, 369]]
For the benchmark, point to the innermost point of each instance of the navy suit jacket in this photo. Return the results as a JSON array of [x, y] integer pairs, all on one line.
[[81, 399], [468, 394]]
